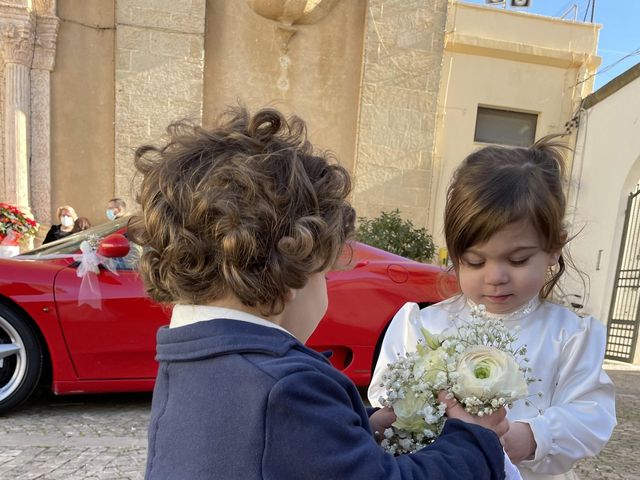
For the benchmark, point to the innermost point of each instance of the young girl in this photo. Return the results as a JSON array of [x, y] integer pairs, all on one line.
[[504, 233]]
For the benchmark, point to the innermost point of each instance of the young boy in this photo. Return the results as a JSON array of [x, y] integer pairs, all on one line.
[[241, 224]]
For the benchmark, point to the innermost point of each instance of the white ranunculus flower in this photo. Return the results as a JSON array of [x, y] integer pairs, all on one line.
[[486, 372]]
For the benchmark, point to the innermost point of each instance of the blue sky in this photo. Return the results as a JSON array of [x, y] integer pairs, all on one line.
[[619, 34]]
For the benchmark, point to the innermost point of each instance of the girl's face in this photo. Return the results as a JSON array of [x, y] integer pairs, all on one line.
[[506, 271]]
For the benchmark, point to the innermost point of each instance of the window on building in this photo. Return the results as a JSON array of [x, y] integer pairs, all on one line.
[[505, 127]]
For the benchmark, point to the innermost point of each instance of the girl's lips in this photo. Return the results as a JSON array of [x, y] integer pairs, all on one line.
[[498, 298]]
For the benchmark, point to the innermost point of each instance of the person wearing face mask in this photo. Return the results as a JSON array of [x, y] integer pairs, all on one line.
[[67, 216], [116, 208]]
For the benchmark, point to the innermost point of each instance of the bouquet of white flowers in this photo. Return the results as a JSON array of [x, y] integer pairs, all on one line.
[[475, 361]]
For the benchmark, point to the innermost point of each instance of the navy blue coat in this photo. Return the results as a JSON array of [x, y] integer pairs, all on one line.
[[235, 400]]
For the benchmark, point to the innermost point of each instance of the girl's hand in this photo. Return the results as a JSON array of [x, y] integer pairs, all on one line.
[[519, 442], [380, 420], [496, 421]]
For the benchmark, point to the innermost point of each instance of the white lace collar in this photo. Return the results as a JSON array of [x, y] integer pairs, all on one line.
[[518, 314]]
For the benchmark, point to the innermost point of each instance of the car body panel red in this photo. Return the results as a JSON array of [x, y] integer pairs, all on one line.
[[362, 302], [28, 285], [108, 344], [115, 337]]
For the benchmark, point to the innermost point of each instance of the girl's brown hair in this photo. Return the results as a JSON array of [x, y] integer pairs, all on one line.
[[81, 223], [247, 208], [496, 186]]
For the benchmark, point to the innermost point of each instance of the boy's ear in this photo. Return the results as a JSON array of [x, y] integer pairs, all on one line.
[[291, 295]]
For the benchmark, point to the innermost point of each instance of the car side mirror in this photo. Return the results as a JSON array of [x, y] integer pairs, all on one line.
[[115, 245]]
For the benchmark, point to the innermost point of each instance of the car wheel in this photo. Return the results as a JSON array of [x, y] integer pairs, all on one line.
[[20, 359]]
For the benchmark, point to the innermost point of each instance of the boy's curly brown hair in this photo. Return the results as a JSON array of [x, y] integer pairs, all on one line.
[[247, 208]]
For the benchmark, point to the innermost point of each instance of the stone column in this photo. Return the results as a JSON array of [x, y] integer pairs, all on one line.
[[40, 171], [16, 40]]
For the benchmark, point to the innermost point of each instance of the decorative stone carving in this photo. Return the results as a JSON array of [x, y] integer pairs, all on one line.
[[27, 48], [44, 7], [44, 54], [293, 12], [17, 3], [43, 62], [288, 13], [40, 168], [17, 40]]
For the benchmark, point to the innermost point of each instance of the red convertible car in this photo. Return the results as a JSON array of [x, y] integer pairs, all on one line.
[[51, 336]]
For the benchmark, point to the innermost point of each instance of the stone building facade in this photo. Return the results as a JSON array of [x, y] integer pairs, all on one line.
[[86, 82]]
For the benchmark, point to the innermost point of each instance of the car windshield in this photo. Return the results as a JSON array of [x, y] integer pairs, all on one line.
[[71, 243]]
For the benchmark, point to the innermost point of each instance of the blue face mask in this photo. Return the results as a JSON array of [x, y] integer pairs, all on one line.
[[111, 215]]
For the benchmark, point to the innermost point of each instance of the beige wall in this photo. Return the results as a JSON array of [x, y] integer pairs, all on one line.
[[607, 169], [159, 75], [398, 107], [321, 82], [82, 108], [487, 64]]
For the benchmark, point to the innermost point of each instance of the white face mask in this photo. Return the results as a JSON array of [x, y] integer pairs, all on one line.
[[111, 215], [66, 221]]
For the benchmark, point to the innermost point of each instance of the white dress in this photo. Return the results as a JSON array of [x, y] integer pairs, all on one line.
[[565, 351]]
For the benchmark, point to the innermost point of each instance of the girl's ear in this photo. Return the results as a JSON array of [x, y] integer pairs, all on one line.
[[555, 256]]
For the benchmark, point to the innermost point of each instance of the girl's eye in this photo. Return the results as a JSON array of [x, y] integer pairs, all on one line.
[[476, 264], [520, 261]]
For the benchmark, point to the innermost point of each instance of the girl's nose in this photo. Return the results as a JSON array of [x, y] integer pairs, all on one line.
[[496, 274]]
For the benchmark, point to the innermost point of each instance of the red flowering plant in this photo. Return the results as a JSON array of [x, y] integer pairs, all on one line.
[[15, 226]]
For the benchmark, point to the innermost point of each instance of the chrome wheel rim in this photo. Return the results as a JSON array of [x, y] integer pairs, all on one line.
[[13, 356]]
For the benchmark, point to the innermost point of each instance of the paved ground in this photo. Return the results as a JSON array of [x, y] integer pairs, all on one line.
[[104, 437], [620, 458]]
